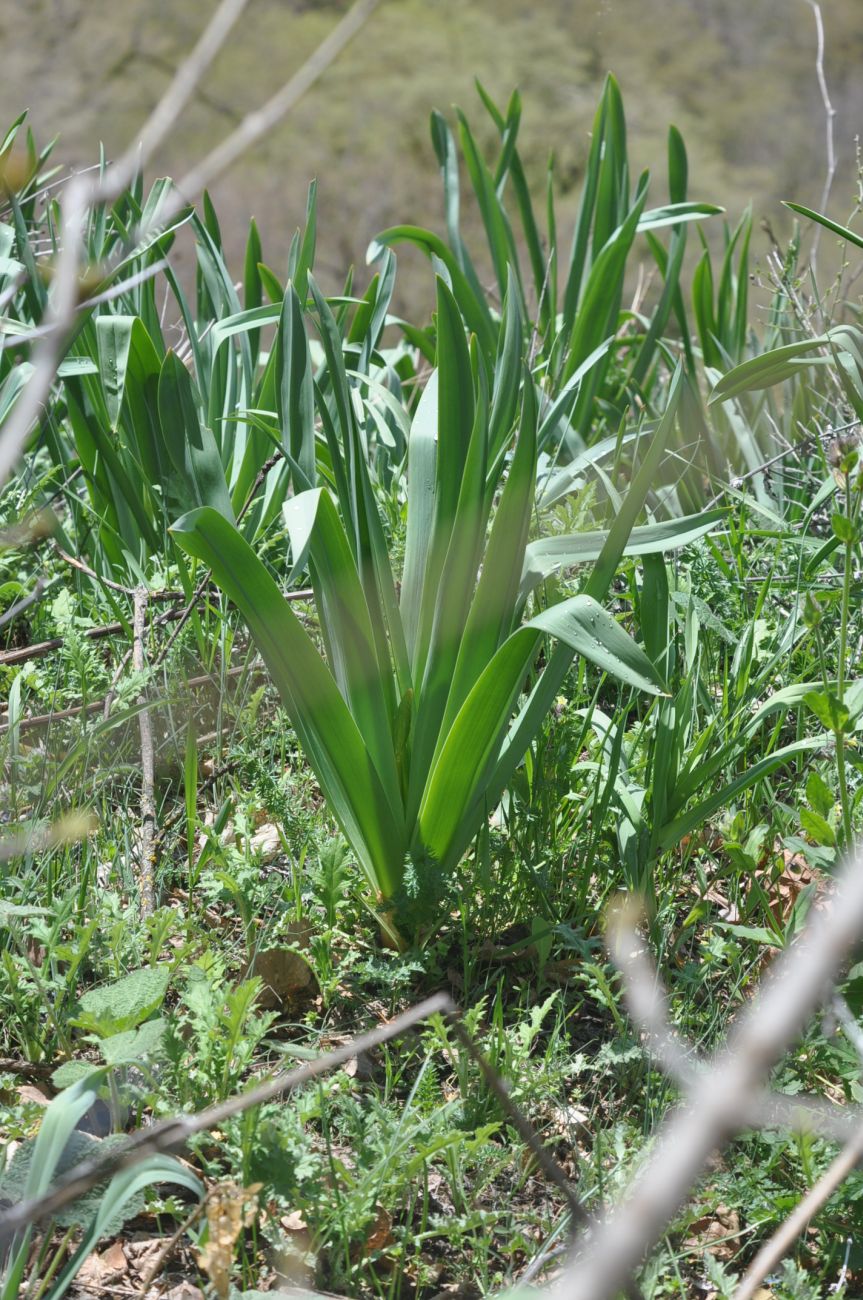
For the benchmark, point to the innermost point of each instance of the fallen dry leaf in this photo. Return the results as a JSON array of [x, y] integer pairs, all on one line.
[[101, 1270], [266, 842], [714, 1233], [184, 1291], [143, 1254], [286, 974]]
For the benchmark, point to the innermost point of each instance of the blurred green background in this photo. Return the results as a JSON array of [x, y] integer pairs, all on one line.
[[736, 76]]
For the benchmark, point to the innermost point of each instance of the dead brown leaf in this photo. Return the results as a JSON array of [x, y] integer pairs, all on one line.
[[716, 1232], [184, 1291], [105, 1268]]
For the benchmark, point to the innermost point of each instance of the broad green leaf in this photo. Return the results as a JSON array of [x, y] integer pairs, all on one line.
[[609, 557], [475, 308], [295, 391], [127, 1002], [455, 422], [769, 368], [551, 554], [842, 231], [450, 600], [121, 1198], [324, 725], [492, 610], [675, 214], [199, 478], [422, 453], [315, 529], [674, 832], [540, 700], [466, 759]]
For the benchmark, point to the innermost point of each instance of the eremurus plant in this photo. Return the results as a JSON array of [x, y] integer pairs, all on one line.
[[406, 713]]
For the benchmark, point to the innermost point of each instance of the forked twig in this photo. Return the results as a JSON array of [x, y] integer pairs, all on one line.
[[717, 1103], [82, 193], [648, 1006]]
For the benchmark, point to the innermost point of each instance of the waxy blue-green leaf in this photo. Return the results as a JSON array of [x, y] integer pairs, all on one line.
[[475, 309], [467, 756], [324, 725], [843, 232], [676, 214], [199, 479], [493, 607], [769, 368], [295, 390], [449, 600], [316, 531], [562, 551]]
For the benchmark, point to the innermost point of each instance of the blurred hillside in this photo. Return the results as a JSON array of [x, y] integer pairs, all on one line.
[[736, 76]]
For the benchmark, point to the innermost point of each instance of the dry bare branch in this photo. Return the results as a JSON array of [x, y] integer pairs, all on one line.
[[783, 1239], [645, 996], [830, 114], [82, 193], [172, 1134], [718, 1101], [648, 1006]]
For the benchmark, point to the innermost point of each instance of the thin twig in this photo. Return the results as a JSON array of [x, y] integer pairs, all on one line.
[[173, 1134], [830, 114], [24, 603], [260, 122], [646, 998], [83, 567], [80, 195], [716, 1105], [150, 1274], [39, 649], [147, 860], [783, 1239], [521, 1124], [648, 1006], [76, 710]]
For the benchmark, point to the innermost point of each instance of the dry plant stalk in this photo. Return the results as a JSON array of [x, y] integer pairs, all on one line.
[[230, 1209], [147, 852]]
